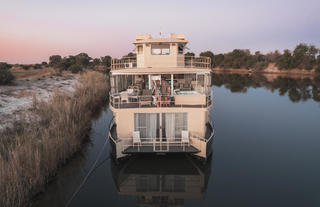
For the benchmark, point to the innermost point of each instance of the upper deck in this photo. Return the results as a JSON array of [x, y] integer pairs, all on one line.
[[160, 53]]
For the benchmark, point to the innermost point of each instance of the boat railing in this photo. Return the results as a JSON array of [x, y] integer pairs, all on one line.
[[157, 144], [210, 136], [160, 101], [197, 62], [201, 62], [123, 63]]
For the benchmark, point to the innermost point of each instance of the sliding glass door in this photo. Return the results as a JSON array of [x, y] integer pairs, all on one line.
[[147, 124], [156, 125], [173, 124]]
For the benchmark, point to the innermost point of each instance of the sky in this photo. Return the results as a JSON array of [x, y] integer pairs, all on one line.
[[32, 30]]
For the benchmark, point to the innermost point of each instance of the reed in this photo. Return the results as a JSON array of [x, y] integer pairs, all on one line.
[[31, 153]]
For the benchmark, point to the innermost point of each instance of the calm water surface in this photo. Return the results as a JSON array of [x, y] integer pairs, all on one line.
[[266, 153]]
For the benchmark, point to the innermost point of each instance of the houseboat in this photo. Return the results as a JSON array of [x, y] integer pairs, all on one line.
[[161, 100]]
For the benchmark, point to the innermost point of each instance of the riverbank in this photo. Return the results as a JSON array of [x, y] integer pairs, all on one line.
[[32, 151], [16, 98], [271, 70]]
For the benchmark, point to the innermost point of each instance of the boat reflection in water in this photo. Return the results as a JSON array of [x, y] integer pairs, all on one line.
[[162, 180]]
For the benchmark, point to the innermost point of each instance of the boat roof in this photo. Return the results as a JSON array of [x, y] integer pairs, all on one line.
[[161, 40], [160, 70], [147, 38]]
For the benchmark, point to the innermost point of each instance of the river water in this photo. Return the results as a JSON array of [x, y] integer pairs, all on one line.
[[266, 153]]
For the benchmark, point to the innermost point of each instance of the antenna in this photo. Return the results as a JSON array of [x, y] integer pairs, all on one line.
[[160, 33]]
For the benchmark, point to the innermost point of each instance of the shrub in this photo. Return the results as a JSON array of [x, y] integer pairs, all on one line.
[[25, 67], [75, 68], [259, 66], [5, 75], [54, 60], [37, 66]]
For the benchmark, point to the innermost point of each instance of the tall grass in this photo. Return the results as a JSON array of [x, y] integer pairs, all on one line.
[[31, 153]]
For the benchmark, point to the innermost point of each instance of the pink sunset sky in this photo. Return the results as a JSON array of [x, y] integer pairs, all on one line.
[[33, 30]]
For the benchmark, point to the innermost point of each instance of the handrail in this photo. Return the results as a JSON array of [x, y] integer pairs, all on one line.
[[154, 143], [197, 62], [125, 62], [210, 137], [154, 101], [188, 62]]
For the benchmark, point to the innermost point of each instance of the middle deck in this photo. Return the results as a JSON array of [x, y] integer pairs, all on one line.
[[160, 87]]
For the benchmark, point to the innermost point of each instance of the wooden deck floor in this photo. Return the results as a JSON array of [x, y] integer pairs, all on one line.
[[163, 149]]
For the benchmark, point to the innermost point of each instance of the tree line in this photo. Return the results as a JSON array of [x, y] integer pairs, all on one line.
[[302, 57], [78, 62]]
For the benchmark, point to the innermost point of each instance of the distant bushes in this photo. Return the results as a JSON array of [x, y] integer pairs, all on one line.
[[6, 76], [78, 62], [302, 57], [75, 68]]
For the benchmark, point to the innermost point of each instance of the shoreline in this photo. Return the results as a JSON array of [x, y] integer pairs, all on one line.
[[269, 73], [56, 131]]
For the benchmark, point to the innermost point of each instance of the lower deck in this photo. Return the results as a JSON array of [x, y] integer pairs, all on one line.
[[123, 146], [165, 148]]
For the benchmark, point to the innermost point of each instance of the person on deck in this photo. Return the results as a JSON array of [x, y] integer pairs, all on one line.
[[164, 92]]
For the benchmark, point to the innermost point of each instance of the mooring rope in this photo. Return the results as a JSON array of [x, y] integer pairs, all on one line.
[[92, 169]]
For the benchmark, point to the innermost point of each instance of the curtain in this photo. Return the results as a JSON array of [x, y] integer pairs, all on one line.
[[151, 125], [178, 124], [175, 123], [169, 125], [146, 124]]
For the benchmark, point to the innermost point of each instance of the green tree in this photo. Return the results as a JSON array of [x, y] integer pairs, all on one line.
[[218, 60], [304, 56], [66, 62], [299, 56], [130, 54], [285, 60], [272, 57], [106, 61], [55, 60], [83, 59], [189, 54], [96, 61], [318, 64], [6, 76]]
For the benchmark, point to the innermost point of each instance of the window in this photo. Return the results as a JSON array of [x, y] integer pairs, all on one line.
[[160, 49], [165, 51], [139, 49], [180, 48]]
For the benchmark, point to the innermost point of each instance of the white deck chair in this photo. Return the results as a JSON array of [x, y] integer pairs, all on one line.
[[185, 137], [124, 97], [136, 138]]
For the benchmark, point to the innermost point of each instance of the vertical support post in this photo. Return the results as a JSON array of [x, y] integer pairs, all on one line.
[[149, 80], [171, 85]]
